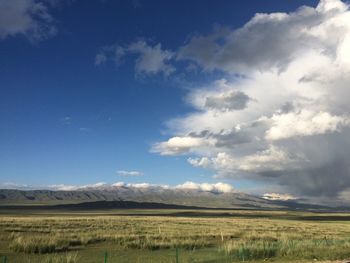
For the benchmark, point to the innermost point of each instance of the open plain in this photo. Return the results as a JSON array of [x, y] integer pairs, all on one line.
[[147, 235]]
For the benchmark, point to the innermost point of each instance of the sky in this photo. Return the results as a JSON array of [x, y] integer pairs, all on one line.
[[253, 94]]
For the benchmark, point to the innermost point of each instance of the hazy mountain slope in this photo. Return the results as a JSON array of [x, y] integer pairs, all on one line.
[[156, 195]]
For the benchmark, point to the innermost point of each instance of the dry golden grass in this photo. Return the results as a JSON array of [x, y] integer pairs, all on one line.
[[241, 237]]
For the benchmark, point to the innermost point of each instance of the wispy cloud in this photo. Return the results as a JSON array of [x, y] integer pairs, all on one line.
[[277, 196], [84, 129], [66, 120], [10, 185], [29, 18], [129, 173], [151, 59]]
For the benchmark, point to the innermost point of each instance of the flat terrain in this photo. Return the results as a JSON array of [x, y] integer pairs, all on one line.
[[146, 235]]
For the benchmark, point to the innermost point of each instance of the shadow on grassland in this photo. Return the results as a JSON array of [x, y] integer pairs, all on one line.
[[131, 208]]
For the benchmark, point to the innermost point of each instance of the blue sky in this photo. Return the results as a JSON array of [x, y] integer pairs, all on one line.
[[74, 112]]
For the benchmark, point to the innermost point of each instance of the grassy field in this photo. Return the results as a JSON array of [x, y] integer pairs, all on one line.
[[152, 236]]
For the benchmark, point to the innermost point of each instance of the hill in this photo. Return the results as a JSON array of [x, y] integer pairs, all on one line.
[[180, 197]]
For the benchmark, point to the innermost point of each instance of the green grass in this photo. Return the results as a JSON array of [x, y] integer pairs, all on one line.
[[201, 236]]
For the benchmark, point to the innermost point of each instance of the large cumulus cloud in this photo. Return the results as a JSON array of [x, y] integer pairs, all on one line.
[[286, 119], [269, 40]]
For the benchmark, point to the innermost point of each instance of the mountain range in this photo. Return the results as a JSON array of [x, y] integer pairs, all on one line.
[[146, 194]]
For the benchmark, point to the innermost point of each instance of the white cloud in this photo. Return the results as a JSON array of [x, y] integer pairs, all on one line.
[[269, 41], [178, 145], [139, 185], [10, 185], [119, 184], [29, 18], [203, 162], [151, 59], [290, 125], [129, 173], [96, 185], [304, 123], [63, 187], [279, 197], [271, 159], [206, 187]]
